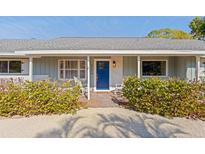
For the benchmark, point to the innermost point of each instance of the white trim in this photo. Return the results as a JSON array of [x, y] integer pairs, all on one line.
[[167, 67], [12, 54], [24, 77], [95, 60], [78, 69], [197, 68], [138, 67], [88, 76], [111, 52], [31, 68]]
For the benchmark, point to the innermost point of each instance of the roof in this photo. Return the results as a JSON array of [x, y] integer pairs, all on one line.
[[91, 45], [113, 43]]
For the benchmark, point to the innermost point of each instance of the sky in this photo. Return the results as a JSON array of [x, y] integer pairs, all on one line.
[[53, 27]]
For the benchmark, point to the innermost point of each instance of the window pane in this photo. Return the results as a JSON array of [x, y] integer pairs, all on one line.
[[101, 65], [61, 74], [82, 64], [14, 66], [67, 64], [61, 64], [74, 64], [67, 74], [3, 66], [70, 74], [74, 73], [82, 74], [154, 68]]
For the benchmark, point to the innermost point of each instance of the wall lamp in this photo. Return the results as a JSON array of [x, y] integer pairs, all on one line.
[[114, 64]]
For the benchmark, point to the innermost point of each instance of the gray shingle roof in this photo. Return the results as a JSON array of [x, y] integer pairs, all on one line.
[[9, 46]]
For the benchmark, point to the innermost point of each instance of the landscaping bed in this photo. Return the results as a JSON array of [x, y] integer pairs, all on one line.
[[169, 98], [37, 98]]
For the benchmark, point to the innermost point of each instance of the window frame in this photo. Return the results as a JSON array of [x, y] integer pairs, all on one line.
[[78, 68], [8, 61], [160, 60]]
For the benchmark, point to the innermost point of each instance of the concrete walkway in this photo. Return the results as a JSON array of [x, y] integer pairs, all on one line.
[[102, 122]]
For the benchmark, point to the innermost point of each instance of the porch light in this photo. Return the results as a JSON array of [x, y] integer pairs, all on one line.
[[114, 64]]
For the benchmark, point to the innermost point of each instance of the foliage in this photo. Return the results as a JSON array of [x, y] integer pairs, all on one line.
[[34, 98], [170, 98], [197, 26], [169, 34]]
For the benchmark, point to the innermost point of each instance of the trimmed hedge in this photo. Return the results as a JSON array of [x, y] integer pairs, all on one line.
[[170, 98], [34, 98]]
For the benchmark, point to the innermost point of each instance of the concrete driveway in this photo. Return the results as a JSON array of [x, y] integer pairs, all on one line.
[[101, 122]]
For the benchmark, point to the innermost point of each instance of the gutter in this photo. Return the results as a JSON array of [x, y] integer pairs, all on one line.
[[110, 52]]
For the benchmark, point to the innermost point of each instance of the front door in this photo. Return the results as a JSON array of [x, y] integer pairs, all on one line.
[[102, 75]]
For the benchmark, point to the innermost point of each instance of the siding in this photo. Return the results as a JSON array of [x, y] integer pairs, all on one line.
[[171, 67], [46, 66], [129, 65], [117, 71], [180, 67], [185, 67]]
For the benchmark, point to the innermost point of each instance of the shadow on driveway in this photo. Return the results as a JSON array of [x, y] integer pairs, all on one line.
[[115, 125]]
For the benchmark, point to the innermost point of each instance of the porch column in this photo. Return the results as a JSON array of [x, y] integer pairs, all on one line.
[[88, 74], [138, 66], [31, 68], [197, 67]]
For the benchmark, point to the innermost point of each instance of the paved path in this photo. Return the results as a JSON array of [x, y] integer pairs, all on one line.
[[99, 100], [102, 122]]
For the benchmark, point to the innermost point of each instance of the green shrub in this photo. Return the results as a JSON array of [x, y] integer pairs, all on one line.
[[42, 97], [170, 98]]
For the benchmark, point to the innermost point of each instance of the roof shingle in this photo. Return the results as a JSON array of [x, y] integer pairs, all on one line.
[[114, 43]]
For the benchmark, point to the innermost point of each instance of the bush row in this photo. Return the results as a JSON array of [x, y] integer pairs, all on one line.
[[170, 98], [42, 97]]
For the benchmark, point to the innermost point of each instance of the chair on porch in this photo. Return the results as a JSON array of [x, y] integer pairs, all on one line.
[[118, 89], [83, 87], [117, 96]]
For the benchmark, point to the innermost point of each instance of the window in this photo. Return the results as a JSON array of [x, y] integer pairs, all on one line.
[[14, 66], [68, 69], [10, 66], [82, 69], [154, 68], [3, 66]]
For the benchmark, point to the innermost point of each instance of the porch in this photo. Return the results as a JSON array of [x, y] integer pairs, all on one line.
[[101, 73]]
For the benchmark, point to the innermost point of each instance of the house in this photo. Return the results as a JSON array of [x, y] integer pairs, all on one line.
[[101, 62]]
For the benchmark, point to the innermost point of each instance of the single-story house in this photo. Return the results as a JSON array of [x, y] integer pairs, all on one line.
[[101, 63]]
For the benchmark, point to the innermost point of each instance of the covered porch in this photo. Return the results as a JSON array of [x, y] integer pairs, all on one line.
[[103, 73], [102, 70]]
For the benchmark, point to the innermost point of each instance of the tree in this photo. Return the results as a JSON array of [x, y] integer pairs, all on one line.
[[197, 26], [169, 33]]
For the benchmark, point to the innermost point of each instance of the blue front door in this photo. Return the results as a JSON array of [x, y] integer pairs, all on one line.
[[102, 75]]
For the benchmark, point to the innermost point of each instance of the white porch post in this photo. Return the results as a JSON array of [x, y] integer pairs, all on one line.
[[88, 74], [31, 68], [197, 68], [138, 66]]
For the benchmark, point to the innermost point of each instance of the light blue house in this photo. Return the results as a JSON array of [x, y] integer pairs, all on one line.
[[101, 63]]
